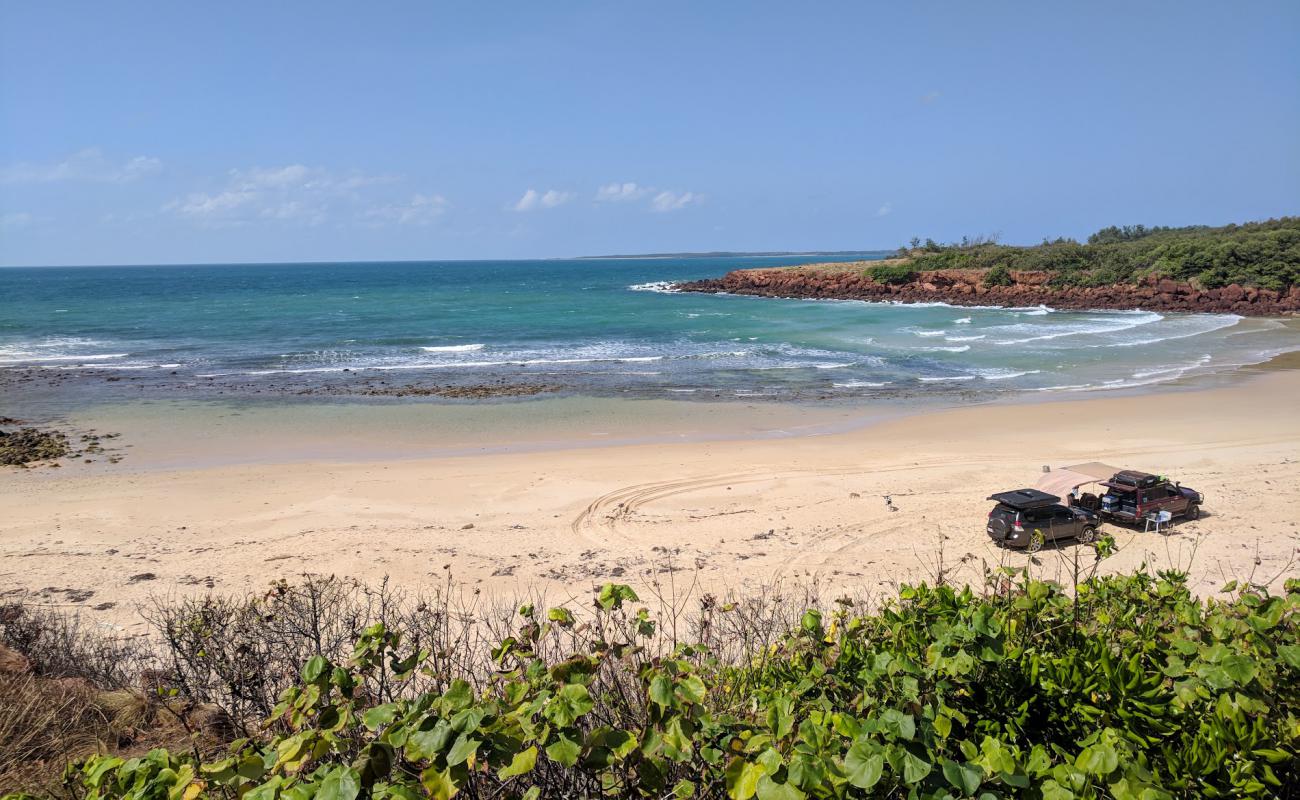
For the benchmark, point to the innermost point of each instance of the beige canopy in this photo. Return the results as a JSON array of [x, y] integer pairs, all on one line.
[[1064, 480]]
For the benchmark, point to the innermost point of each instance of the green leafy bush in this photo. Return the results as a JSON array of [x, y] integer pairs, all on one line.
[[998, 275], [1263, 254], [893, 274], [1130, 687]]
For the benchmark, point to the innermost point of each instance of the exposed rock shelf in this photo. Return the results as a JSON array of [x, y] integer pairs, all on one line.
[[966, 288]]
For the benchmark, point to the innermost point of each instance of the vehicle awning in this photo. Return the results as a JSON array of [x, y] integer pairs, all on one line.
[[1063, 480]]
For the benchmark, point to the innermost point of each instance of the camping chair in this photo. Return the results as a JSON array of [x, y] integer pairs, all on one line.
[[1156, 519]]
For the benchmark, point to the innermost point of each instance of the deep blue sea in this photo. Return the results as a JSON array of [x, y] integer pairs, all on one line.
[[601, 325]]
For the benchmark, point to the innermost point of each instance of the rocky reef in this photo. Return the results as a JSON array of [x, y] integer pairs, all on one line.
[[968, 288], [29, 446], [24, 446]]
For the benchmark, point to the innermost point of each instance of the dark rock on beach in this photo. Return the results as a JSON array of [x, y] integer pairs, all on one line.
[[966, 288], [29, 445]]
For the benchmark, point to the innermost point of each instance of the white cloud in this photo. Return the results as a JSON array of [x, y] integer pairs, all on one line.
[[672, 201], [621, 192], [661, 200], [293, 193], [87, 165], [885, 210], [16, 220], [534, 199], [421, 209]]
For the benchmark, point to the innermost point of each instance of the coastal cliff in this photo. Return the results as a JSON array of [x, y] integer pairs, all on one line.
[[854, 281]]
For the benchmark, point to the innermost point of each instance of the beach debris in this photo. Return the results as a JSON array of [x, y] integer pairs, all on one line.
[[854, 496], [143, 576], [467, 526]]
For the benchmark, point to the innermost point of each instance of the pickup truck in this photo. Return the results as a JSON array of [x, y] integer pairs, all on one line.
[[1130, 496]]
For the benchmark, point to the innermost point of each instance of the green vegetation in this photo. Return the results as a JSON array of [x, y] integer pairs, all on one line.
[[1262, 254], [1129, 688], [998, 275], [893, 273]]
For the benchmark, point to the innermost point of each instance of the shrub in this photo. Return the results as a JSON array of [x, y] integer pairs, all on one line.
[[1129, 687], [999, 275], [893, 274], [1264, 254]]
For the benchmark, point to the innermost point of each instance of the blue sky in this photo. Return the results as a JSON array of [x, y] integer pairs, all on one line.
[[184, 132]]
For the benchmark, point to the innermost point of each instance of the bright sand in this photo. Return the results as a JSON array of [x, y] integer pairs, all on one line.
[[242, 510]]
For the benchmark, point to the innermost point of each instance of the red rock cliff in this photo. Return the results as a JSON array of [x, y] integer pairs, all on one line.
[[964, 288]]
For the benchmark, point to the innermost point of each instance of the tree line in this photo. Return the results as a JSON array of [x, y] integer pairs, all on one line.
[[1262, 254]]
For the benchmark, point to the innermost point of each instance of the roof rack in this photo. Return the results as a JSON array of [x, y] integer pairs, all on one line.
[[1023, 499]]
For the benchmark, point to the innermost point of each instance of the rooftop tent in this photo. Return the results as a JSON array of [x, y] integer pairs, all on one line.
[[1066, 479], [1025, 499]]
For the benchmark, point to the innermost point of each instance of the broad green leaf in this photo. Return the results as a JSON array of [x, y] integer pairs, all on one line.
[[863, 764], [341, 783], [691, 689], [564, 751], [613, 595], [314, 669], [1097, 759], [377, 717], [1290, 654], [438, 783], [769, 789], [661, 690], [742, 778], [522, 763], [1055, 791], [914, 768], [462, 750], [429, 744], [966, 777]]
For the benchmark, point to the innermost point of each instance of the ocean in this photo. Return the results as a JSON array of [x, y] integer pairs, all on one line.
[[604, 327]]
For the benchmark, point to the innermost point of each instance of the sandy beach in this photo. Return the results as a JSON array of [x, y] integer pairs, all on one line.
[[858, 510]]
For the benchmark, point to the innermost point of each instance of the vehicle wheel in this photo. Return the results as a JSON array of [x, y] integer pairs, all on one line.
[[1035, 542], [1088, 535], [1194, 511]]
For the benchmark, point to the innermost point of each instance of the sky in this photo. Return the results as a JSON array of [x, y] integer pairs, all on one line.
[[165, 132]]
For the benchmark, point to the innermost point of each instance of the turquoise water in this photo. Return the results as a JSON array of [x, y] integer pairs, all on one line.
[[598, 326]]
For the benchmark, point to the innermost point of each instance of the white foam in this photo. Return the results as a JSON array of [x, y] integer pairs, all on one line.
[[925, 333], [1120, 322], [951, 378], [861, 384], [1174, 371], [663, 287], [958, 349], [1006, 374], [963, 338], [454, 348], [962, 321], [35, 359], [1217, 323]]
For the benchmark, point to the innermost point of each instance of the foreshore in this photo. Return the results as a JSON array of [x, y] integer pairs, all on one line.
[[857, 504]]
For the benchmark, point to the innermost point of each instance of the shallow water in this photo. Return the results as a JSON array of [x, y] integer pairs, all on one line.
[[598, 326]]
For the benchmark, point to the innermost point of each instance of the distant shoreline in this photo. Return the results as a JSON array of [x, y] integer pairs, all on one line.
[[742, 254]]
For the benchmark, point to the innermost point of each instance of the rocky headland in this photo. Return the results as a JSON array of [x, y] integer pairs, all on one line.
[[853, 281]]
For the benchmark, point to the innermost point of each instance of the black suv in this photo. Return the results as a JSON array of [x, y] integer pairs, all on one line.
[[1028, 518]]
